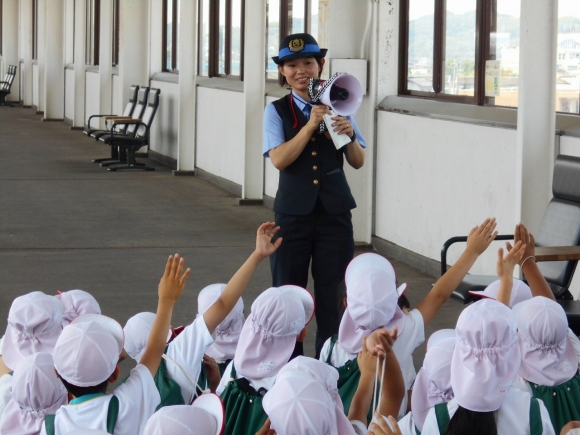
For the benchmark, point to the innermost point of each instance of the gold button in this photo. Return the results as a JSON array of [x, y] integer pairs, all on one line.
[[315, 168], [314, 153], [312, 139], [315, 181]]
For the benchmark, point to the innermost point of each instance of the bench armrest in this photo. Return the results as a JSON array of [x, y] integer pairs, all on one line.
[[453, 240], [557, 253], [109, 117], [126, 121]]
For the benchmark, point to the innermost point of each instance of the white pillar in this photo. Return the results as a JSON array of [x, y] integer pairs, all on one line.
[[54, 64], [536, 109], [41, 55], [79, 61], [10, 42], [254, 98], [134, 46], [26, 50], [187, 86], [106, 57]]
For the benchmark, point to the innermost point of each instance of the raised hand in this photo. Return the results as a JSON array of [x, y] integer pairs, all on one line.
[[481, 236], [173, 280], [506, 264], [264, 245], [521, 234]]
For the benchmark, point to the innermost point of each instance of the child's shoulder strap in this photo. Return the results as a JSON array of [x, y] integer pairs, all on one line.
[[535, 418], [333, 341], [49, 424], [443, 418], [112, 414]]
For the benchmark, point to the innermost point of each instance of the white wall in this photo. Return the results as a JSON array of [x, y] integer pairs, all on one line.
[[69, 89], [437, 179], [220, 133], [91, 94], [164, 128], [116, 102]]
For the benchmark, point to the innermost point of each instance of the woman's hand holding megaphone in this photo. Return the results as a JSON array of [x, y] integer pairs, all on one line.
[[342, 126], [317, 116]]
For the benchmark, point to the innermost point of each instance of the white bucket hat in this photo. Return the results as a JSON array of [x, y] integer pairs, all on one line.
[[77, 302], [372, 296], [520, 292], [486, 358], [36, 393], [548, 356], [433, 383], [205, 416], [34, 325], [88, 350], [227, 333], [269, 334], [137, 331]]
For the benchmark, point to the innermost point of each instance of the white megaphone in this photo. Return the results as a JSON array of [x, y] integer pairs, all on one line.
[[343, 94]]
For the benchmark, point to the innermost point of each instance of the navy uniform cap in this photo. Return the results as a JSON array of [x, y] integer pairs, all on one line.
[[298, 46]]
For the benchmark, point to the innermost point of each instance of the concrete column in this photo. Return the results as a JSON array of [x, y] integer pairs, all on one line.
[[187, 85], [536, 109], [254, 99], [54, 61], [10, 43], [134, 46], [26, 50], [79, 61], [105, 57], [41, 47]]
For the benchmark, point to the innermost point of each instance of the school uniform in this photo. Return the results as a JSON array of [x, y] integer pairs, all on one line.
[[412, 335], [138, 397], [513, 416], [313, 209], [5, 386]]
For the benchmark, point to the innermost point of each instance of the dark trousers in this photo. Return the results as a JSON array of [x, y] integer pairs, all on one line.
[[327, 240]]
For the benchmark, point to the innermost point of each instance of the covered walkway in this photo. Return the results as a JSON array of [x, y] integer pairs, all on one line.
[[66, 223]]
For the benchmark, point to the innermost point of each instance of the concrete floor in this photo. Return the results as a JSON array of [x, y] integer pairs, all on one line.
[[66, 223]]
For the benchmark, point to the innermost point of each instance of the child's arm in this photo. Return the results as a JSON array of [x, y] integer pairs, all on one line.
[[505, 271], [534, 277], [361, 401], [170, 288], [237, 285], [393, 390], [478, 240]]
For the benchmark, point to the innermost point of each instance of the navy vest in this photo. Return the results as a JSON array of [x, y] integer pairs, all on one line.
[[316, 173]]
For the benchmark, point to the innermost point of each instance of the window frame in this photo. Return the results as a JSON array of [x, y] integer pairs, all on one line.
[[174, 36], [34, 42], [482, 53], [92, 32], [213, 40], [116, 28]]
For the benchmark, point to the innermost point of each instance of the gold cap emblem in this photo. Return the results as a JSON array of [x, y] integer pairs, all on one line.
[[296, 45]]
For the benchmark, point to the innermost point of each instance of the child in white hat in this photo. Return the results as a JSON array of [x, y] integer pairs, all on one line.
[[85, 359], [183, 356], [34, 325], [36, 392], [228, 332], [205, 416], [77, 302], [433, 383], [484, 365], [371, 303], [277, 319]]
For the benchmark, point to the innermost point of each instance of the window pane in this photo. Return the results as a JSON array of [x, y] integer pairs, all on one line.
[[169, 34], [420, 61], [236, 56], [459, 48], [222, 38], [314, 18], [568, 57], [204, 39], [504, 46], [296, 13], [273, 38]]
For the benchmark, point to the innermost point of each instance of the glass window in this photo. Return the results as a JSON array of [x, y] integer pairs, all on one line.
[[34, 29], [93, 25], [171, 35], [568, 58], [115, 48], [420, 61]]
